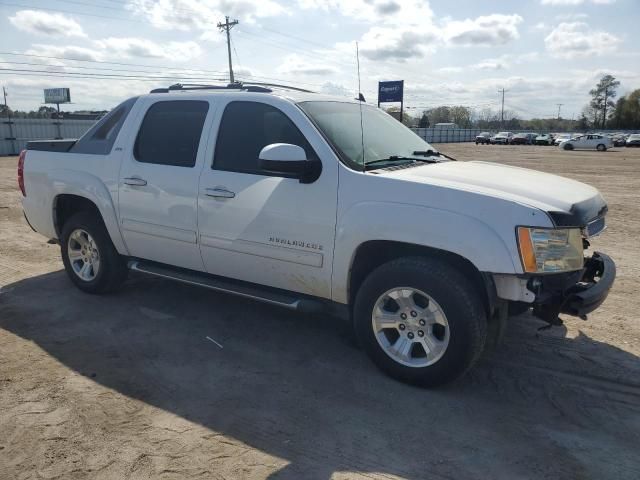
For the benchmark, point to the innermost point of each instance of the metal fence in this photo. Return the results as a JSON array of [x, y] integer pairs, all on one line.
[[442, 135], [15, 133]]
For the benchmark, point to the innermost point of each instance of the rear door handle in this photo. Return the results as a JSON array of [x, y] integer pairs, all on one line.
[[219, 192], [135, 181]]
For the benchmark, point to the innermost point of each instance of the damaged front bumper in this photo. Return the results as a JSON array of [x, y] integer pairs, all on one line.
[[574, 293]]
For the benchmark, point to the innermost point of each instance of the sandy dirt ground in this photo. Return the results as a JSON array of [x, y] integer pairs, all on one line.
[[128, 386]]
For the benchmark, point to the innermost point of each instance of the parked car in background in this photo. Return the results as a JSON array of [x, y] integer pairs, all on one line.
[[561, 137], [502, 138], [483, 138], [587, 142], [633, 140], [620, 140], [544, 139], [520, 139]]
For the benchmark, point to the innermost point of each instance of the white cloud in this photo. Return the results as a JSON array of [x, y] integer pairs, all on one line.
[[38, 22], [413, 12], [70, 51], [296, 65], [132, 47], [203, 15], [571, 17], [389, 43], [331, 88], [490, 65], [502, 62], [399, 29], [577, 39], [487, 30], [449, 70], [576, 2]]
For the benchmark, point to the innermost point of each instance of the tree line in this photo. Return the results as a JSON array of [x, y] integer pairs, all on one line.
[[602, 112], [44, 112]]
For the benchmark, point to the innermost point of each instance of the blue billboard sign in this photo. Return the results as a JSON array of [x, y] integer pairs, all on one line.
[[390, 91]]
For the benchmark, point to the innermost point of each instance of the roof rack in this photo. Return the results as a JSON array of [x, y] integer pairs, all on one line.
[[247, 87]]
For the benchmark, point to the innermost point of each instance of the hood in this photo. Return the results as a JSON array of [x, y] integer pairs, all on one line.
[[568, 202]]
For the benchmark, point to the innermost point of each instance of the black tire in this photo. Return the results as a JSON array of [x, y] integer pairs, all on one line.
[[458, 300], [113, 269], [601, 147], [518, 308], [568, 146]]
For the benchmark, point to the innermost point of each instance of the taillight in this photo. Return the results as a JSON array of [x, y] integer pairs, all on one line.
[[23, 153]]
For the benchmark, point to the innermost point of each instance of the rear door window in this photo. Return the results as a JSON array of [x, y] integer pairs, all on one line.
[[170, 133]]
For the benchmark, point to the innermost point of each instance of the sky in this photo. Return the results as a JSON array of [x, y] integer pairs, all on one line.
[[448, 52]]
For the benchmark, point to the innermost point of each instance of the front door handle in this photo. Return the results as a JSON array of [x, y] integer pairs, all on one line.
[[219, 192], [135, 181]]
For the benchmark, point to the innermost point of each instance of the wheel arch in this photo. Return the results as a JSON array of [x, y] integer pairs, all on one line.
[[84, 187], [374, 253], [68, 202], [66, 205]]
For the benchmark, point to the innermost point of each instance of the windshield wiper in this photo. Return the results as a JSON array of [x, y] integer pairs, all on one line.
[[395, 158], [433, 153]]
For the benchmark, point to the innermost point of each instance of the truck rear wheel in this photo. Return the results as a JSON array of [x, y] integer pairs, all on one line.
[[89, 257], [420, 320]]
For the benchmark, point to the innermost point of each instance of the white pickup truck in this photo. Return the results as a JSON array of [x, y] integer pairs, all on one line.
[[319, 204]]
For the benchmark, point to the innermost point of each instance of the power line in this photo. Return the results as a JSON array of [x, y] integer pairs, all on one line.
[[155, 75], [233, 44], [260, 39], [306, 53], [74, 2], [176, 70], [108, 63], [10, 4], [559, 107], [111, 76]]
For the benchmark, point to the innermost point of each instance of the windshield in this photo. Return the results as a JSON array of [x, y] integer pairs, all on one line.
[[503, 134], [384, 136]]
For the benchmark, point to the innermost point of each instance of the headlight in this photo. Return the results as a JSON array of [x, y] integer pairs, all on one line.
[[548, 250]]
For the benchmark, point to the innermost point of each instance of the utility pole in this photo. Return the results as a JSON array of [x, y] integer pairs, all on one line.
[[502, 110], [559, 107], [9, 122], [227, 26]]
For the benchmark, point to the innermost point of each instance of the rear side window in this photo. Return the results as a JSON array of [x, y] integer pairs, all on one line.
[[170, 133], [248, 127], [100, 138]]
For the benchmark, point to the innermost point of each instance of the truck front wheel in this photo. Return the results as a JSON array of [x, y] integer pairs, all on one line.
[[90, 259], [420, 320]]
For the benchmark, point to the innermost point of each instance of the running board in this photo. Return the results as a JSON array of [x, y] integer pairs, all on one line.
[[241, 289]]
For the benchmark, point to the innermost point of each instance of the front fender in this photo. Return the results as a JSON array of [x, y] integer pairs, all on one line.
[[465, 236]]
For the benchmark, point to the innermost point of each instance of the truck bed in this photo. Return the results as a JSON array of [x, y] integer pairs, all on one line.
[[63, 145]]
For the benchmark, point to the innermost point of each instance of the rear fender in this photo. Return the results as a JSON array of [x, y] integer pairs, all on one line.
[[71, 182]]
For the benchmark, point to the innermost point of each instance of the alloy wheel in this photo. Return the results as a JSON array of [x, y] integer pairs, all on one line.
[[410, 327], [84, 255]]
